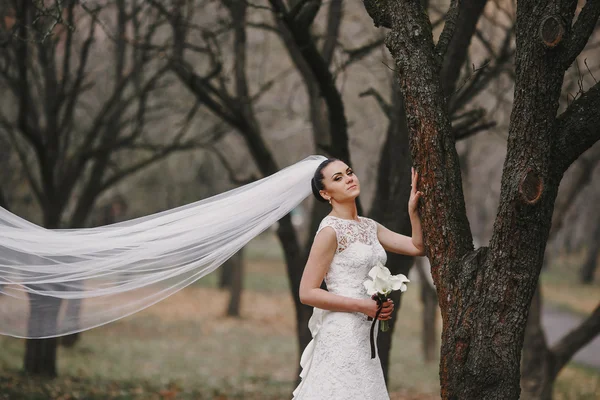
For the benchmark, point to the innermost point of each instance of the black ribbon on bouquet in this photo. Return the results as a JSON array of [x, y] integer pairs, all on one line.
[[379, 306]]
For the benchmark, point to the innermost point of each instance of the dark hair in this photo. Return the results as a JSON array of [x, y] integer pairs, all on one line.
[[317, 180]]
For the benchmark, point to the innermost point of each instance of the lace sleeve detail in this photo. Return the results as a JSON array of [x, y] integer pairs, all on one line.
[[332, 224], [375, 229]]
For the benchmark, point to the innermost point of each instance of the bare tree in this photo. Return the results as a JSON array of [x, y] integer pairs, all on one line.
[[235, 105], [72, 149], [393, 186], [541, 363], [485, 294], [293, 25], [46, 17]]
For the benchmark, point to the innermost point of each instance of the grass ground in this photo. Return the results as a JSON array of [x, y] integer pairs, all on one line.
[[562, 289], [184, 348]]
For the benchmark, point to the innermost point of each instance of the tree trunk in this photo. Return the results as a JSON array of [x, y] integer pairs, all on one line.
[[536, 382], [591, 261], [40, 354], [390, 206], [40, 357], [485, 294], [226, 273], [249, 128], [393, 188], [541, 364], [73, 308], [430, 306], [295, 263], [236, 284]]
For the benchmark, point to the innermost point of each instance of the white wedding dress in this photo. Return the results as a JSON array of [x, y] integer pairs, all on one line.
[[337, 364]]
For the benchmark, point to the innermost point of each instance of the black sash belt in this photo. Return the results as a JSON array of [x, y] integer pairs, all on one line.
[[379, 305]]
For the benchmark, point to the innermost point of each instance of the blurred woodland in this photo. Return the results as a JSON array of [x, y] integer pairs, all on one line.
[[115, 109]]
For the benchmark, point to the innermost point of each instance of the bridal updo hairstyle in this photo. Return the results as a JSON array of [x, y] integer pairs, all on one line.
[[317, 180]]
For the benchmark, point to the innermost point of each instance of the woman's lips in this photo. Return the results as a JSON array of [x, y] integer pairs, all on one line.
[[351, 187]]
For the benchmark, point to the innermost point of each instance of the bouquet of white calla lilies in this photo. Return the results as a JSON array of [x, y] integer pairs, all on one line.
[[382, 283]]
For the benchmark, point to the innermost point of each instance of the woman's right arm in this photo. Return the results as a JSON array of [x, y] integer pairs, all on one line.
[[321, 255]]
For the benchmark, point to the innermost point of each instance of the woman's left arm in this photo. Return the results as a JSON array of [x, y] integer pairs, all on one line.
[[401, 244]]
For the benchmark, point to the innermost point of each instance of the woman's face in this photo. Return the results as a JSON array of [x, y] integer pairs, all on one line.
[[340, 182]]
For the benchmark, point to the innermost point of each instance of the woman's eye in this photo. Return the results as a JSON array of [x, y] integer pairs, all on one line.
[[350, 172]]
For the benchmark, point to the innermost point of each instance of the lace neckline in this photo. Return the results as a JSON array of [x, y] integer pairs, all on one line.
[[360, 219]]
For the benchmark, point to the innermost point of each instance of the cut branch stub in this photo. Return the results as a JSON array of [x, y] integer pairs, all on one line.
[[552, 30], [531, 187]]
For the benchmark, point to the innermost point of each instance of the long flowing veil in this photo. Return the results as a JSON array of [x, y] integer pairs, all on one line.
[[57, 282]]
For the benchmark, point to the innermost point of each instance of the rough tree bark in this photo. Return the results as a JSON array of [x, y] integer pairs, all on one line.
[[395, 162], [484, 294]]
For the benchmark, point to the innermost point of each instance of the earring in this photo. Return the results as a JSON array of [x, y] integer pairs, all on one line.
[[329, 200]]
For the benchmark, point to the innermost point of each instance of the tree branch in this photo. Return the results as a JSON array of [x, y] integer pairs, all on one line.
[[230, 171], [338, 124], [380, 11], [359, 53], [464, 23], [586, 163], [581, 31], [76, 90], [334, 21], [577, 128], [119, 176], [384, 105], [467, 131], [483, 75], [203, 90], [449, 28], [35, 186], [571, 343]]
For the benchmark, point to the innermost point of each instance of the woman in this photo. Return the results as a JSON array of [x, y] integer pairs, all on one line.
[[337, 364]]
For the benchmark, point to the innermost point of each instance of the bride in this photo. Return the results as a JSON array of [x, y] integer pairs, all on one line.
[[337, 364], [55, 282]]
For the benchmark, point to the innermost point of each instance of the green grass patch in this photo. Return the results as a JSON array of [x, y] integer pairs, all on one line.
[[562, 289]]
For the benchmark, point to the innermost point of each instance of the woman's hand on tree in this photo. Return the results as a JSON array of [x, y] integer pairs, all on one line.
[[415, 195]]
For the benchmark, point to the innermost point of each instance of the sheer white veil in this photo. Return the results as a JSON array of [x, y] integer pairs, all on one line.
[[57, 282]]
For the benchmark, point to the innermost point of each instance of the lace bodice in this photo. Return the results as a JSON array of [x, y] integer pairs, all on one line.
[[357, 252], [337, 363]]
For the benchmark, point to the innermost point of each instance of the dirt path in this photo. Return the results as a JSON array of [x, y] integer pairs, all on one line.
[[557, 323]]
